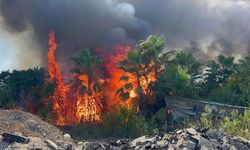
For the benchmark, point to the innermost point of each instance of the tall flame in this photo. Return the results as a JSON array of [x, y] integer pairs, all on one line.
[[69, 103], [114, 82], [61, 90], [72, 106]]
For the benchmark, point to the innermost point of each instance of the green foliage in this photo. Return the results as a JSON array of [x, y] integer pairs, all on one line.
[[161, 121], [22, 88], [46, 112], [125, 123], [86, 62], [173, 80], [235, 124], [179, 75], [206, 119], [238, 124], [120, 123], [235, 88], [217, 73]]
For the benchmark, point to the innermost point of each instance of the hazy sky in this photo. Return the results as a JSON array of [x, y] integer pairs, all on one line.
[[205, 28], [16, 49]]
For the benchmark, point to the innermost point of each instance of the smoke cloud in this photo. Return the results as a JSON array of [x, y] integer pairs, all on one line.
[[205, 28]]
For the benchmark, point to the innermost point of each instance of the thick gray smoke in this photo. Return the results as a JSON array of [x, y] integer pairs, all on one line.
[[78, 24], [206, 28], [203, 27]]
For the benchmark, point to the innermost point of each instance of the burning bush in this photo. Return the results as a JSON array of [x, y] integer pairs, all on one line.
[[131, 76], [80, 99]]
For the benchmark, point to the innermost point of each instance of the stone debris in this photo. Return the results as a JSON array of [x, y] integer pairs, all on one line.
[[66, 137], [28, 132], [51, 144], [186, 139]]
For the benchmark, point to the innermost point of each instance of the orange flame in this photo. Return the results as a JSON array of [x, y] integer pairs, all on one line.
[[69, 105], [114, 82], [72, 106]]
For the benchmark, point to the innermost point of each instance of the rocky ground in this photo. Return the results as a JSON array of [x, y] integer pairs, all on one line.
[[20, 130]]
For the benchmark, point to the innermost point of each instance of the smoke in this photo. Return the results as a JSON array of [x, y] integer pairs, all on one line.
[[78, 24], [205, 28], [17, 51], [224, 23]]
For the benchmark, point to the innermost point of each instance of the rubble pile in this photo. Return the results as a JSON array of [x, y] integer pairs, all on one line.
[[186, 139], [24, 131]]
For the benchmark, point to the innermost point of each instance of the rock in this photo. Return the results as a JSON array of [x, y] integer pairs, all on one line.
[[216, 144], [192, 131], [16, 121], [161, 143], [232, 148], [34, 144], [51, 144], [68, 146], [59, 142], [225, 146], [115, 143], [94, 145], [66, 138], [203, 147], [215, 134], [124, 147], [171, 147], [191, 144], [148, 145], [18, 133], [141, 140], [203, 142], [179, 131], [179, 142], [166, 137], [32, 124], [35, 147], [122, 141], [242, 140], [79, 143], [79, 146], [3, 145], [11, 138]]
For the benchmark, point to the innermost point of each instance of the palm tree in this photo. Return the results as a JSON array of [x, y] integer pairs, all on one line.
[[88, 64], [141, 62]]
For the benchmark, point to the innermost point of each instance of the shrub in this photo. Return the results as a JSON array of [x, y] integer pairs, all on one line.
[[238, 124], [235, 123], [206, 118], [125, 123], [121, 122], [161, 121]]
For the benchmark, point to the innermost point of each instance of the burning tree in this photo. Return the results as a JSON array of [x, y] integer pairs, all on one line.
[[80, 99], [144, 63], [89, 84], [132, 74]]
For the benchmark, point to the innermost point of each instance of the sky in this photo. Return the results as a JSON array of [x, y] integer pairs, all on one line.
[[205, 28], [16, 49]]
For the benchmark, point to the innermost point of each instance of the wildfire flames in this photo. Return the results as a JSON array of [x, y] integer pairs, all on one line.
[[71, 106], [114, 81]]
